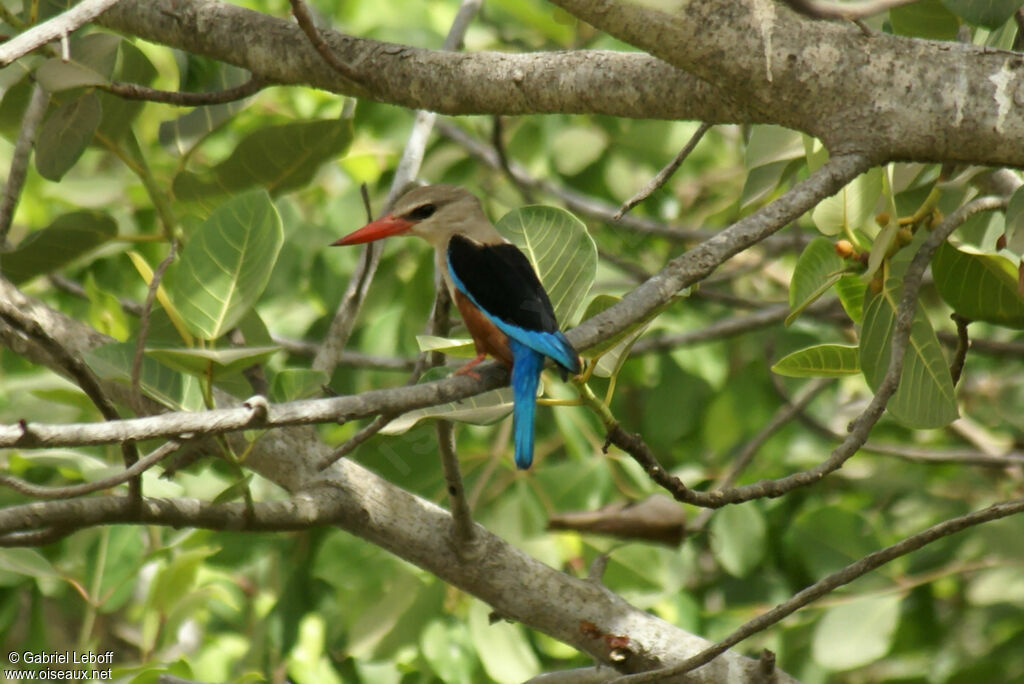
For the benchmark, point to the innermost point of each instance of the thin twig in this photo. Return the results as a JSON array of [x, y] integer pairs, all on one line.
[[132, 91], [860, 428], [576, 201], [498, 141], [827, 584], [662, 176], [406, 171], [71, 491], [52, 29], [462, 519], [305, 21], [19, 161], [782, 416], [147, 307]]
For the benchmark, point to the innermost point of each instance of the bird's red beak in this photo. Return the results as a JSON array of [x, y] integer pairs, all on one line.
[[383, 227]]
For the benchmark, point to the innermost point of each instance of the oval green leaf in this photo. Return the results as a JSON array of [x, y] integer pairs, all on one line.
[[817, 270], [279, 158], [820, 361], [857, 633], [171, 388], [226, 264], [66, 239], [561, 251], [981, 287], [988, 13], [851, 207], [738, 538], [925, 396], [219, 362], [65, 135]]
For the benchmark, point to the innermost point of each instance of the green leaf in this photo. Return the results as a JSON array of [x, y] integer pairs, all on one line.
[[850, 289], [856, 633], [453, 346], [65, 135], [447, 649], [925, 396], [179, 135], [817, 270], [771, 144], [118, 113], [827, 538], [851, 207], [738, 538], [297, 383], [169, 387], [981, 287], [66, 239], [503, 649], [819, 361], [226, 264], [561, 251], [575, 148], [613, 352], [988, 13], [222, 361], [27, 562], [1015, 222], [482, 409], [924, 19], [279, 158], [94, 58], [176, 579]]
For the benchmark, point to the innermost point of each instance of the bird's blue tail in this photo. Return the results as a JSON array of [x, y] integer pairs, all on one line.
[[526, 367]]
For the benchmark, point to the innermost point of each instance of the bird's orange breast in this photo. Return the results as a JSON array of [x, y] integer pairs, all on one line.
[[486, 336]]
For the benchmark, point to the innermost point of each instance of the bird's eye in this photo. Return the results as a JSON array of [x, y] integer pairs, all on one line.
[[424, 211]]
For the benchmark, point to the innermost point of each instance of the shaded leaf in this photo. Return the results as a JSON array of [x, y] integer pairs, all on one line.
[[981, 287], [118, 113], [65, 135], [820, 361], [66, 239], [279, 158], [574, 149], [297, 383], [226, 264], [925, 396], [613, 352], [179, 135], [817, 270], [924, 19], [93, 63], [851, 289], [771, 144], [738, 538]]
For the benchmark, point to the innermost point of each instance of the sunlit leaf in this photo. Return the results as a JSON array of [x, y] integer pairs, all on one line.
[[925, 396], [613, 352], [453, 346], [820, 361], [502, 647], [851, 207], [738, 538], [226, 264], [856, 632], [924, 19], [988, 13], [561, 251], [297, 383]]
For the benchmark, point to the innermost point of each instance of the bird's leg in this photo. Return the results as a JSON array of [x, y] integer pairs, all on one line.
[[468, 368]]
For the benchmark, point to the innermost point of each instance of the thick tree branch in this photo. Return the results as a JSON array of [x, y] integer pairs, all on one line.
[[52, 29]]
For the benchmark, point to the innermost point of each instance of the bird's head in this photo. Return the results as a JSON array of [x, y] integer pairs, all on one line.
[[432, 212]]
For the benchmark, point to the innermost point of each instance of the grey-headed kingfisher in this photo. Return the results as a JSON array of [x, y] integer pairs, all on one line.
[[496, 290]]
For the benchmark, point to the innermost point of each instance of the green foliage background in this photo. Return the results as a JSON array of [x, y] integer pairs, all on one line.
[[114, 179]]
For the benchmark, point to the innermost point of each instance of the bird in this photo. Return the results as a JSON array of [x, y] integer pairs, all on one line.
[[498, 294]]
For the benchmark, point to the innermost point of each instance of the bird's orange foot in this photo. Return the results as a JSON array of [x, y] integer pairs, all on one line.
[[468, 368]]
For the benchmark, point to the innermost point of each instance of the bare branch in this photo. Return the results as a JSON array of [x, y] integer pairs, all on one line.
[[662, 176], [837, 579], [147, 307], [963, 343], [132, 91], [52, 29], [305, 21]]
